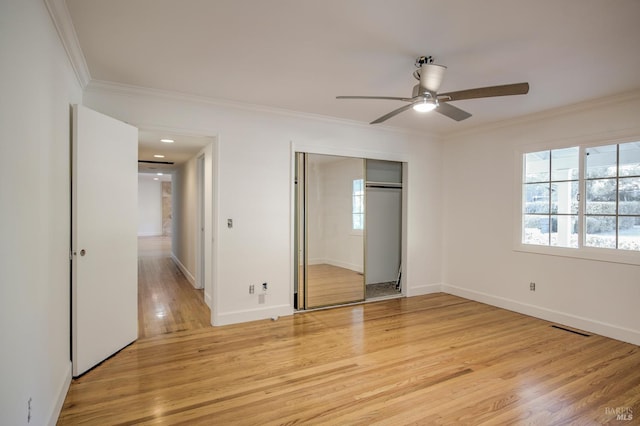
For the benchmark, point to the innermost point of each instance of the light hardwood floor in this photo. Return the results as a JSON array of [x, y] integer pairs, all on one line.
[[167, 302], [435, 359]]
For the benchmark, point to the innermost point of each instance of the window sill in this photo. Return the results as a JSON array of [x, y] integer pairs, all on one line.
[[587, 253]]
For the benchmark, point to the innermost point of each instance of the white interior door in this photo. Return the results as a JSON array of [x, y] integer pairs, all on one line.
[[104, 305]]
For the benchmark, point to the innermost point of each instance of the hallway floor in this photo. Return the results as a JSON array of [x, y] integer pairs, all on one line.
[[167, 302]]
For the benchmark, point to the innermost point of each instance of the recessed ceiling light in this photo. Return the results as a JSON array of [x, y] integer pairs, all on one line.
[[158, 155], [167, 140], [155, 178], [159, 174]]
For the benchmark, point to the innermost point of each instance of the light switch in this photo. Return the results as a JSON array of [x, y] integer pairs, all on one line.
[[229, 223]]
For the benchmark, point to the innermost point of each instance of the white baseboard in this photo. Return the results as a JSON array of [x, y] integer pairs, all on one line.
[[184, 270], [586, 324], [62, 394], [150, 234], [207, 299], [340, 264], [423, 289], [267, 312]]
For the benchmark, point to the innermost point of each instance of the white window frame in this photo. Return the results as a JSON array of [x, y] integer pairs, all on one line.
[[582, 252]]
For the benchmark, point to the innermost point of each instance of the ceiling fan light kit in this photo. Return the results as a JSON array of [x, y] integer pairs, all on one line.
[[425, 95], [425, 105]]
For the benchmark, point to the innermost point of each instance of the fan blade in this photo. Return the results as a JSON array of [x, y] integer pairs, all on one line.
[[452, 112], [431, 76], [390, 98], [391, 114], [487, 92]]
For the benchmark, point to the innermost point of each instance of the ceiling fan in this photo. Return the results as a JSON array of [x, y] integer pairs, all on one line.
[[425, 96]]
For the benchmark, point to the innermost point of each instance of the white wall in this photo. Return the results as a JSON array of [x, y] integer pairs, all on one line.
[[184, 204], [149, 206], [255, 189], [37, 86], [481, 189], [185, 211], [384, 234]]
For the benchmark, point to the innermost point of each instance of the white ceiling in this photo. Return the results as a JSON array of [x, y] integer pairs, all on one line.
[[182, 149], [299, 55]]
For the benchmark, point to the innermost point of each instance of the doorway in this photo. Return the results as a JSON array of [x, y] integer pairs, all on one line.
[[178, 265], [347, 230]]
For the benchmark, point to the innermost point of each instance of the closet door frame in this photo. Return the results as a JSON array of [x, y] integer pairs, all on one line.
[[305, 149]]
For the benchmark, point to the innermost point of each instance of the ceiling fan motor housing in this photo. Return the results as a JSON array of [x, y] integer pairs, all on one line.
[[431, 76]]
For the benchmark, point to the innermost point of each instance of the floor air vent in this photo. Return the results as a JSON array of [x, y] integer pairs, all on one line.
[[571, 331]]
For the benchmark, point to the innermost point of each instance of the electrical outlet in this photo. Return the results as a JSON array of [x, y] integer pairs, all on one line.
[[261, 298], [29, 410], [532, 286], [252, 289]]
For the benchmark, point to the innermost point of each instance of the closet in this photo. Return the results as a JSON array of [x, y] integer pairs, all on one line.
[[383, 230], [348, 230]]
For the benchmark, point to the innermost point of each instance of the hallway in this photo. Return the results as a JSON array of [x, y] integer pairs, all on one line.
[[167, 302]]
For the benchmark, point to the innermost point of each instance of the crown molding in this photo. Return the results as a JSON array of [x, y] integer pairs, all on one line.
[[133, 90], [64, 26], [629, 95]]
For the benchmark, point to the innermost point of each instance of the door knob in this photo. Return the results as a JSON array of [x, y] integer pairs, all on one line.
[[83, 252]]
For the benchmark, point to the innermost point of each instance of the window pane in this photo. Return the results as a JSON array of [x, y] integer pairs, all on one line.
[[357, 186], [564, 197], [358, 221], [564, 164], [601, 196], [601, 161], [564, 231], [357, 204], [536, 230], [630, 159], [629, 196], [536, 198], [601, 231], [629, 233], [536, 166]]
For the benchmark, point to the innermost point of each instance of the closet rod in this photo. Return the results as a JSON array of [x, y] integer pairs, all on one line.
[[391, 185]]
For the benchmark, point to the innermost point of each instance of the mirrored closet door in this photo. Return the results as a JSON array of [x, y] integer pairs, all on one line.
[[343, 218]]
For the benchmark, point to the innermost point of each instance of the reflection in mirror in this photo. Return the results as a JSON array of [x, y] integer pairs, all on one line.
[[335, 220]]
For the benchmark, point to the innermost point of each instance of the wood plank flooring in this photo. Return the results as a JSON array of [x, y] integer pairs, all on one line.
[[433, 360], [329, 285], [167, 302]]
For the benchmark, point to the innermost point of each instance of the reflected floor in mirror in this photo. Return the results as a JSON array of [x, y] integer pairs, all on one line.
[[332, 285]]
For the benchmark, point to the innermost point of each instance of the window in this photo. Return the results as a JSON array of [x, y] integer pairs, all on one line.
[[612, 196], [551, 197], [357, 215], [607, 216]]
